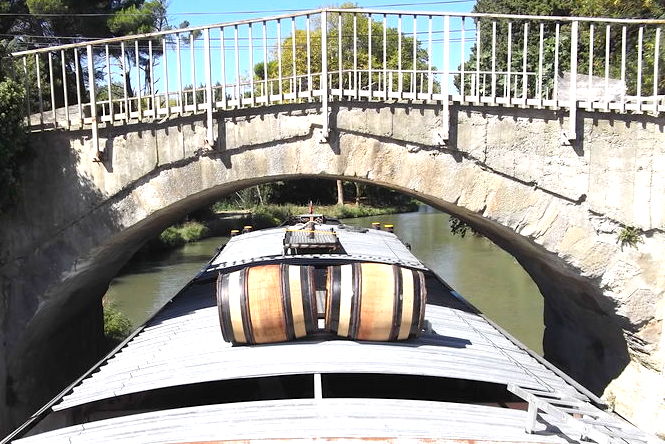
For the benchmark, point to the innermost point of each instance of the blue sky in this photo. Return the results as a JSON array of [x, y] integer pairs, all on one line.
[[210, 12], [206, 12]]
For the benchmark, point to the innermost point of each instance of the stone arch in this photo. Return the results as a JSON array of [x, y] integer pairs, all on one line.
[[153, 175]]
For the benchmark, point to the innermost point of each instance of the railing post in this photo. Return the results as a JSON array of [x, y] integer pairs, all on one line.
[[324, 76], [108, 83], [166, 78], [93, 104], [206, 60], [139, 105], [572, 115], [531, 416], [26, 80], [445, 112], [52, 86], [656, 53], [39, 91], [64, 87]]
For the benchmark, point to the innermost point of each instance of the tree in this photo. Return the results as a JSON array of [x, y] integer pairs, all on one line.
[[53, 22], [482, 55], [354, 30], [340, 192], [39, 23], [620, 8], [13, 134], [596, 8], [647, 9]]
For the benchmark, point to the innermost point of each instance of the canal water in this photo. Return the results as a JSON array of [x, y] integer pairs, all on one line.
[[484, 274]]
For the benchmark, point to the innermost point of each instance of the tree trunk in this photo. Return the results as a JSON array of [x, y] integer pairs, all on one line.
[[258, 192], [358, 192], [340, 193]]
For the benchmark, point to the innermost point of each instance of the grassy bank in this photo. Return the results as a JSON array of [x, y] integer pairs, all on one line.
[[270, 215], [177, 235], [117, 325], [259, 216]]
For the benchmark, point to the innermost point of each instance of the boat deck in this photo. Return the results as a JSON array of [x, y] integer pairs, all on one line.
[[183, 346], [360, 244], [300, 419]]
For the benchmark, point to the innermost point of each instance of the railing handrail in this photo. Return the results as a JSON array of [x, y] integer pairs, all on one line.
[[164, 33], [564, 19], [552, 18], [520, 64]]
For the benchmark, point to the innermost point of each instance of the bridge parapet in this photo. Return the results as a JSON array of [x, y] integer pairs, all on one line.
[[350, 54]]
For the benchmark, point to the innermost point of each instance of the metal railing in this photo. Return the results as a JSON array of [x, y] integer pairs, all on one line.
[[344, 54]]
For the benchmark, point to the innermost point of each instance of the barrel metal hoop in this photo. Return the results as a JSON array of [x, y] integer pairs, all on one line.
[[354, 324], [334, 296], [398, 300], [223, 307], [308, 295], [244, 303], [418, 304], [286, 301]]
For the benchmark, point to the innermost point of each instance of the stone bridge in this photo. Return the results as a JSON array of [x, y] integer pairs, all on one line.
[[559, 208], [555, 181]]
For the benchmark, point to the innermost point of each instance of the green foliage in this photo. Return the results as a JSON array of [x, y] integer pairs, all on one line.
[[275, 214], [46, 6], [181, 234], [620, 8], [319, 191], [13, 133], [171, 237], [351, 34], [192, 231], [187, 37], [270, 215], [117, 325], [246, 198], [597, 8], [349, 211], [630, 236], [53, 22], [460, 228], [54, 18], [134, 19], [647, 9]]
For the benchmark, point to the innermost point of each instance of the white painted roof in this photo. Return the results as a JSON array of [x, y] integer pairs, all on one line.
[[184, 345], [308, 419], [359, 244]]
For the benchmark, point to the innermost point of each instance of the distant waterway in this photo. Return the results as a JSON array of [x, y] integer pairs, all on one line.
[[488, 277]]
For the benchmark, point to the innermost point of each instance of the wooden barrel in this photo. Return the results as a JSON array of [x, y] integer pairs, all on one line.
[[375, 302], [266, 303]]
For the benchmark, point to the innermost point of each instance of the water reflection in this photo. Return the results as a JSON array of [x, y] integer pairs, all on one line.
[[146, 284], [483, 273]]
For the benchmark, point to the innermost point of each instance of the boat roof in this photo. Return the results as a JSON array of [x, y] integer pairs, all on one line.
[[360, 244], [183, 346], [344, 419]]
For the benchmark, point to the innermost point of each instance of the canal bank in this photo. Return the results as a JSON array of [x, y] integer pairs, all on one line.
[[487, 276]]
